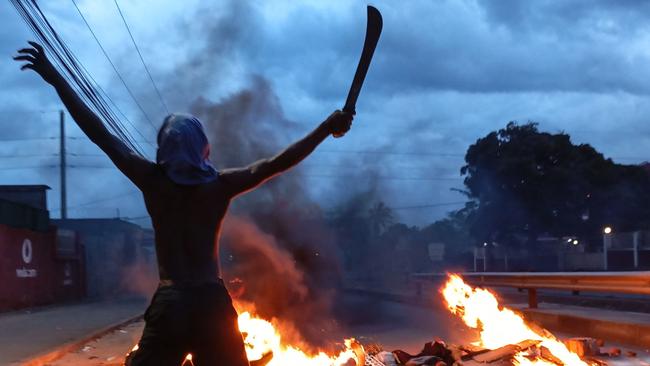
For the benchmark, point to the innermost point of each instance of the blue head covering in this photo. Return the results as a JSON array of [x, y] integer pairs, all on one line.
[[183, 150]]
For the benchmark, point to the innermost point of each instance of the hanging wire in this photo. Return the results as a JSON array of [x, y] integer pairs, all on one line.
[[82, 82], [128, 29], [113, 66]]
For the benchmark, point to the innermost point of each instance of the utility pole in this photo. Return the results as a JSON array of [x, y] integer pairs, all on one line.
[[64, 204]]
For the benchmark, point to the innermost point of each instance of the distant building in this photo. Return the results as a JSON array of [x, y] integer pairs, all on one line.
[[32, 269], [30, 195], [119, 256], [24, 207]]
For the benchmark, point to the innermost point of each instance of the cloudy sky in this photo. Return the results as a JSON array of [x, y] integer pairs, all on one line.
[[445, 73]]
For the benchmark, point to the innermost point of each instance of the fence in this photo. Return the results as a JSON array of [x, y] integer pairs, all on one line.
[[606, 282]]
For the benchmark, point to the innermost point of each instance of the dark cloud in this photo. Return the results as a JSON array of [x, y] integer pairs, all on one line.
[[444, 74]]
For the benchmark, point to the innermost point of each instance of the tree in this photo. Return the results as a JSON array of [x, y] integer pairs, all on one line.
[[453, 232], [526, 182]]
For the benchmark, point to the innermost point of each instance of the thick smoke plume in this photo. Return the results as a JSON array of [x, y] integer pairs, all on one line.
[[277, 252]]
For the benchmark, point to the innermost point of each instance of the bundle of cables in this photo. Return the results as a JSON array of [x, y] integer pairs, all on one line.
[[76, 74]]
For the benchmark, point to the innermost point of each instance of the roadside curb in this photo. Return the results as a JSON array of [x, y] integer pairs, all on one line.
[[62, 350], [619, 332]]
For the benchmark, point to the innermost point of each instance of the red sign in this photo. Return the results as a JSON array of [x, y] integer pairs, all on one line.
[[29, 272]]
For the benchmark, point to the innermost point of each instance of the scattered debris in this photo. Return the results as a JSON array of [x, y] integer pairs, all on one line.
[[614, 352], [584, 347], [438, 353], [504, 352]]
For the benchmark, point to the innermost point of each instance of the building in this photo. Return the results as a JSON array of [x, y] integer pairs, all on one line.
[[119, 256], [34, 269]]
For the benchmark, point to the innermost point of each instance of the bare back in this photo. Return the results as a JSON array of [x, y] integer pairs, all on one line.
[[187, 221]]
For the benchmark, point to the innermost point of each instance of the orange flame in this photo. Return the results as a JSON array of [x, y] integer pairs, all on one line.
[[499, 326], [188, 360], [261, 337]]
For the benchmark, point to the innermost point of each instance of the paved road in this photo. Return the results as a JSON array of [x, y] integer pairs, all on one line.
[[402, 326], [25, 334], [392, 325]]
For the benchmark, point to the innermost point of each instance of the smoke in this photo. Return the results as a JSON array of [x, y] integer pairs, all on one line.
[[139, 278], [277, 251]]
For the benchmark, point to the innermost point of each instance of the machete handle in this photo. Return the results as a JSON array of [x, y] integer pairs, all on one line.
[[344, 110]]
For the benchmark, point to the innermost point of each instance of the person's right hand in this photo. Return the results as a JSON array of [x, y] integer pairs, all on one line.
[[37, 61], [339, 123]]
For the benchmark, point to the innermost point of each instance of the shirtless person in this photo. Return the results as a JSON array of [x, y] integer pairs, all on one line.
[[191, 311]]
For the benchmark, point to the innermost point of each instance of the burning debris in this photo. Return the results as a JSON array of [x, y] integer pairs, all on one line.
[[505, 339], [264, 342], [501, 327]]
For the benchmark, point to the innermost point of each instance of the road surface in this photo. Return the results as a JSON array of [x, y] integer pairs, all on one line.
[[28, 333], [390, 324]]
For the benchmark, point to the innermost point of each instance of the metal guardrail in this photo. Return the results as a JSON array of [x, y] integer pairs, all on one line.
[[606, 282]]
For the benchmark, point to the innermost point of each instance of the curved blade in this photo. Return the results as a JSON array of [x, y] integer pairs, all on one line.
[[373, 31]]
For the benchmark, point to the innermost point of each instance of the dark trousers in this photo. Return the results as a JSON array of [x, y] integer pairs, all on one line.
[[190, 319]]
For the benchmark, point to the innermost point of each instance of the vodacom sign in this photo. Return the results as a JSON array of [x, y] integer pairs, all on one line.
[[27, 254]]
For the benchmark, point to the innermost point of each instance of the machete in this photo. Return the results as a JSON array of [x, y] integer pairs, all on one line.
[[373, 31]]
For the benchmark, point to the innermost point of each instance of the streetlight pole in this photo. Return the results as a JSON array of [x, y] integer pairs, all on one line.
[[607, 242], [635, 243]]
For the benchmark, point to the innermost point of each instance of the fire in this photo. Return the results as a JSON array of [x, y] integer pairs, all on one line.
[[188, 360], [261, 337], [499, 326]]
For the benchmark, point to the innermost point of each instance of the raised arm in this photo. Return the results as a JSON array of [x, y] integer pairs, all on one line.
[[240, 180], [127, 161]]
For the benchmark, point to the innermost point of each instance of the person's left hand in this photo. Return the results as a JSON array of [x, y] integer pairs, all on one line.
[[339, 123], [37, 61]]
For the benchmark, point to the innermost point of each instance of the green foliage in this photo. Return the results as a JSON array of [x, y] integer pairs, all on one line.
[[526, 182], [453, 231]]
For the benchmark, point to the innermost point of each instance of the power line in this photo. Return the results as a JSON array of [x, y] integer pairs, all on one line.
[[28, 167], [27, 156], [392, 152], [21, 139], [87, 155], [162, 101], [113, 66], [106, 199], [22, 111], [332, 176], [432, 205], [423, 153], [72, 70], [110, 100], [380, 177], [78, 166]]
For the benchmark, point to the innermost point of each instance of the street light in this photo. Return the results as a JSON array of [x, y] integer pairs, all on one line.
[[607, 242]]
